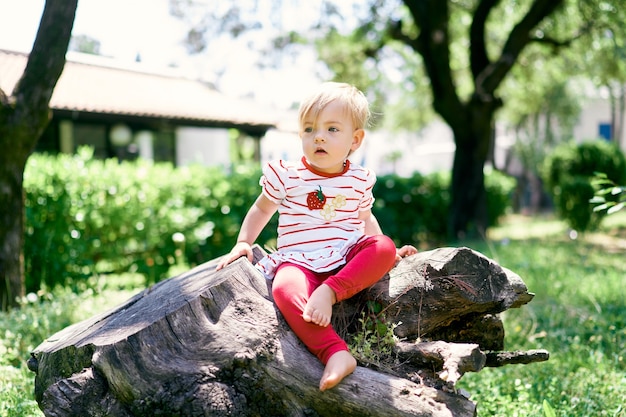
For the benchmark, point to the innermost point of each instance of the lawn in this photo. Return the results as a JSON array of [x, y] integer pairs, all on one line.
[[578, 315], [41, 316]]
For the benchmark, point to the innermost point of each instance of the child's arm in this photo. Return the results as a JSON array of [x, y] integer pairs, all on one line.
[[257, 217], [372, 228]]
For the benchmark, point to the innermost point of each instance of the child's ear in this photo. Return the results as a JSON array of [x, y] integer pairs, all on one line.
[[357, 139]]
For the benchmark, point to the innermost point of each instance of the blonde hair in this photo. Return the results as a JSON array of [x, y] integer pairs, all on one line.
[[354, 100]]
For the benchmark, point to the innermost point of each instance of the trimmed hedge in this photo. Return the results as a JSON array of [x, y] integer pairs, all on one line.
[[568, 173], [86, 216], [414, 209]]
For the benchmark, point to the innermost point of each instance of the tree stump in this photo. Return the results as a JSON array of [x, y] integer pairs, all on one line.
[[212, 343]]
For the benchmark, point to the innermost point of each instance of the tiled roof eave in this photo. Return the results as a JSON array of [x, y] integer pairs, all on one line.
[[103, 91], [148, 118]]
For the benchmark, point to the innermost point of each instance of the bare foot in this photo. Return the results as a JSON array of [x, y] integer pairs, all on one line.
[[339, 366], [319, 308]]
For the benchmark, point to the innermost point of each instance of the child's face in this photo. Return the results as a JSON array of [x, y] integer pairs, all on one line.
[[328, 140]]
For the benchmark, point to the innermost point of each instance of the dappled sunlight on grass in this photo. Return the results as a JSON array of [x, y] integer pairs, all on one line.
[[39, 317], [578, 314], [517, 226]]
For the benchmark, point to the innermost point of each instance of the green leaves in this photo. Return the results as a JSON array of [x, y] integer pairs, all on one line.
[[548, 411], [571, 176], [414, 209], [374, 341], [609, 196], [86, 217]]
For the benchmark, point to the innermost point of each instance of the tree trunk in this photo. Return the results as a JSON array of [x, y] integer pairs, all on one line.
[[467, 216], [11, 229], [212, 342], [23, 117]]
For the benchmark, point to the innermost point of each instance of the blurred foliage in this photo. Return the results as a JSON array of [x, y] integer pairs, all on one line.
[[414, 209], [86, 217], [569, 173]]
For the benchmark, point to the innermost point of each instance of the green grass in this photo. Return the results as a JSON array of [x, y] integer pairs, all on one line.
[[41, 316], [578, 315]]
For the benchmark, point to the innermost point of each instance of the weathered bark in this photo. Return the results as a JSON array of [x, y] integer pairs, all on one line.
[[24, 114], [211, 342], [455, 293], [497, 359]]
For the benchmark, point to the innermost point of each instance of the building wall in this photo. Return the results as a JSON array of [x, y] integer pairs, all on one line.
[[402, 153], [205, 146], [594, 120]]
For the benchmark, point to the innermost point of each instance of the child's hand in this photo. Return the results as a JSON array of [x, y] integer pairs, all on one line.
[[405, 251], [239, 250]]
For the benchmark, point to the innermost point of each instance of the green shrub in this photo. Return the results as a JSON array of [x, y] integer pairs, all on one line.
[[573, 203], [87, 216], [415, 209], [568, 173], [499, 188]]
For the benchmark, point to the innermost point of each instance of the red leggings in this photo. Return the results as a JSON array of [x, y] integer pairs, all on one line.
[[366, 263]]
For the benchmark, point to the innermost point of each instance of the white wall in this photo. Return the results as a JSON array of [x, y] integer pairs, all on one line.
[[427, 151], [596, 110], [205, 146]]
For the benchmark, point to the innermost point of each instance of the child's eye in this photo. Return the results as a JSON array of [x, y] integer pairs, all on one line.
[[333, 129], [308, 129]]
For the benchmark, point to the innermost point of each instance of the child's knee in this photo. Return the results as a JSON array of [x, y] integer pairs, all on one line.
[[278, 293], [386, 247], [286, 293]]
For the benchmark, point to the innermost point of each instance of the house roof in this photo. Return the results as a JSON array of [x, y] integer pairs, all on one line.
[[94, 85]]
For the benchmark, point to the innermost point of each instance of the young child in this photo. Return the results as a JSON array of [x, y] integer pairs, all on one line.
[[330, 245]]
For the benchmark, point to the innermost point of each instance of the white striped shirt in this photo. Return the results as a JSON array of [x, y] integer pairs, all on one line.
[[314, 233]]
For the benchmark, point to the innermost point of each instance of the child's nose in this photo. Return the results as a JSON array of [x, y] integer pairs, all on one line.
[[319, 138]]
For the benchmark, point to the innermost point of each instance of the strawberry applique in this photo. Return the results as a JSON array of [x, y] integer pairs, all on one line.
[[315, 199]]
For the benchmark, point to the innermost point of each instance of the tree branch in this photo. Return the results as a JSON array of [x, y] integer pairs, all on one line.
[[394, 30], [478, 49], [498, 359], [563, 43], [491, 77], [433, 44]]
